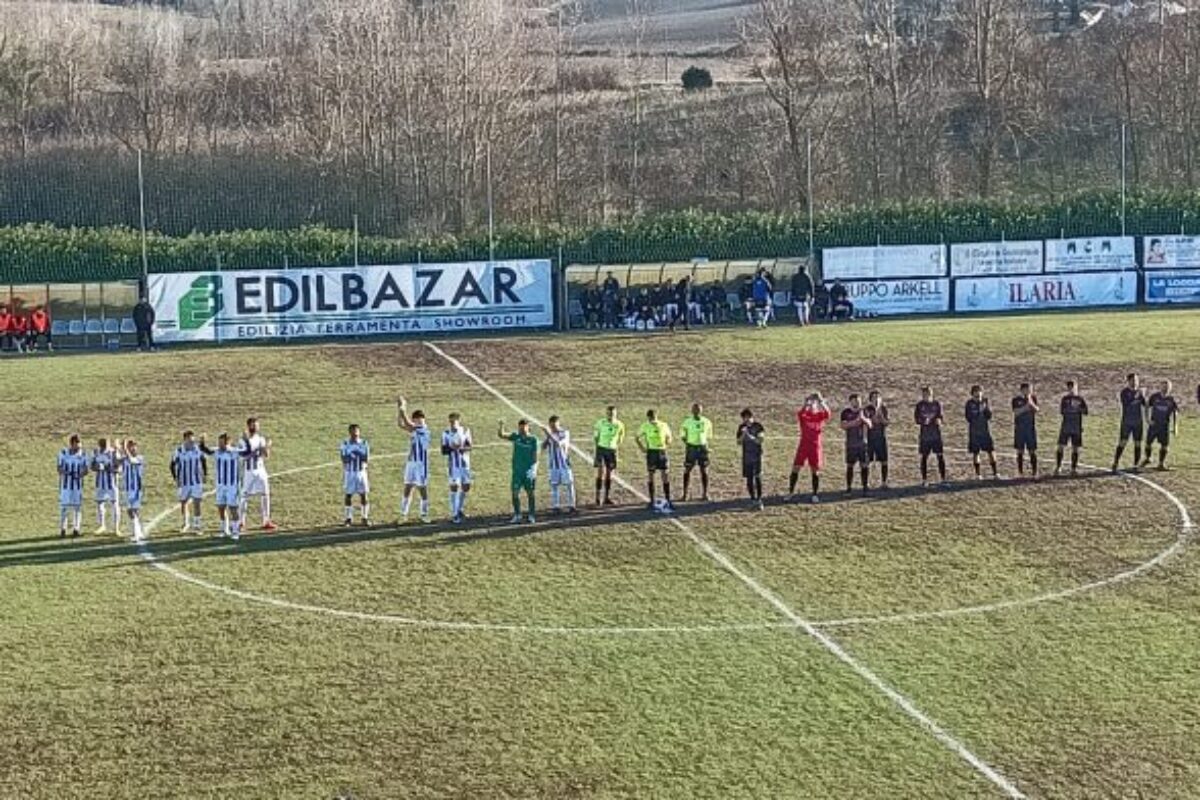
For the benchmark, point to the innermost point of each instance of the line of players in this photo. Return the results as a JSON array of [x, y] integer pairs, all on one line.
[[119, 469]]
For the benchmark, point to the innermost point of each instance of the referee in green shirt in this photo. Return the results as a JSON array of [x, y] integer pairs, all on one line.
[[607, 435], [696, 430], [524, 467], [654, 437]]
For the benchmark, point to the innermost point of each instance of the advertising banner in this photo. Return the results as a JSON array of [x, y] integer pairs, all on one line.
[[1172, 287], [1171, 252], [996, 258], [890, 261], [900, 296], [1090, 255], [351, 301], [1036, 292]]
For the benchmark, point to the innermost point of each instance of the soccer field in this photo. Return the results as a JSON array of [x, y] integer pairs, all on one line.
[[987, 639]]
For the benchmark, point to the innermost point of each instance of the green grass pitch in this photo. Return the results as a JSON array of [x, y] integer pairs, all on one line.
[[609, 655]]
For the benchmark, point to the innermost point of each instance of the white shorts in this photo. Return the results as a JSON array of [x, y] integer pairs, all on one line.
[[416, 474], [255, 483], [70, 498], [194, 492], [228, 496], [355, 483], [561, 477], [133, 501], [106, 495], [461, 477]]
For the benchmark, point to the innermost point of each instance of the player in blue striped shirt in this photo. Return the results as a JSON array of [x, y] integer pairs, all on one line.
[[562, 479], [133, 475], [456, 446], [356, 452], [416, 469], [72, 467], [227, 463], [105, 465], [189, 468]]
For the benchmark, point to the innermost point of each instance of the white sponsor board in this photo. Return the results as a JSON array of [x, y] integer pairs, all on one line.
[[1034, 292], [1171, 252], [900, 296], [351, 301], [996, 258], [1090, 255], [1173, 287], [889, 261]]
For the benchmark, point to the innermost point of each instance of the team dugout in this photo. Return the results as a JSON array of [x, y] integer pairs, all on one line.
[[81, 314]]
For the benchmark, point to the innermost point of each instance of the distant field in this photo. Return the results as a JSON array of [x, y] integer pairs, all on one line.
[[983, 639]]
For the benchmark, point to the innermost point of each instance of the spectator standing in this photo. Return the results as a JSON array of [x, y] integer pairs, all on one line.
[[683, 301], [746, 297], [143, 320], [802, 295], [610, 297]]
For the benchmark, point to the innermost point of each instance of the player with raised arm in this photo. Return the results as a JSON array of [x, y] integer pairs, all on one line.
[[255, 449], [750, 437], [133, 484], [105, 465], [189, 469], [857, 426], [653, 438], [557, 445], [456, 446], [978, 412], [928, 416], [1025, 409], [355, 453], [1133, 418], [72, 466], [524, 469], [227, 463], [1073, 409], [1164, 423], [877, 445], [810, 451], [607, 435], [416, 468], [696, 431]]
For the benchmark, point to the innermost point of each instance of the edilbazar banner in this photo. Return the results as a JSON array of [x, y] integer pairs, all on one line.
[[888, 261], [901, 296], [1035, 292], [996, 258], [1171, 252], [351, 301], [1090, 255], [1172, 287]]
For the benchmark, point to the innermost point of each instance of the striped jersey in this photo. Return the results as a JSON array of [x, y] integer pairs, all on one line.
[[418, 445], [558, 445], [188, 466], [228, 463], [253, 447], [72, 467], [355, 456], [104, 464], [132, 475], [458, 459]]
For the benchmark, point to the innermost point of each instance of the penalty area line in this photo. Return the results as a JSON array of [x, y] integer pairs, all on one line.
[[906, 705]]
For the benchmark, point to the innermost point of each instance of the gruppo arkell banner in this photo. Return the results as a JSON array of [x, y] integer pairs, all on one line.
[[351, 301], [900, 296]]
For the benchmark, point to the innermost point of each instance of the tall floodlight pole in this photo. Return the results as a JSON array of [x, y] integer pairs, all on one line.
[[142, 222], [491, 210], [1123, 178], [808, 152]]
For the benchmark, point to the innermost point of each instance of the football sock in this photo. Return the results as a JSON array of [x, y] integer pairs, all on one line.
[[865, 474], [1137, 453], [941, 466], [650, 486], [553, 495], [1074, 460], [265, 507], [1033, 462], [816, 483], [425, 506], [100, 514], [78, 518], [758, 488], [406, 503], [529, 497], [599, 486], [1162, 456], [976, 465], [1021, 461], [366, 511], [63, 513], [704, 480], [792, 479], [995, 471], [849, 477], [607, 488], [349, 513], [516, 502], [666, 488], [1058, 454], [1120, 451], [883, 471], [924, 468], [750, 488]]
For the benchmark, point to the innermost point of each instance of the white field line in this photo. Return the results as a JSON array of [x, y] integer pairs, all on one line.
[[903, 703]]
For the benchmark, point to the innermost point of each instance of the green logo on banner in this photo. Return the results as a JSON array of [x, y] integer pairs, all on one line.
[[201, 303]]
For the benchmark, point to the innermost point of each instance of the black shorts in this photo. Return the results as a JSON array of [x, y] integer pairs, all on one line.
[[877, 450], [981, 443], [752, 469], [657, 460], [856, 455], [928, 446], [1073, 439], [1160, 434], [696, 454], [1025, 440], [606, 458], [1131, 429]]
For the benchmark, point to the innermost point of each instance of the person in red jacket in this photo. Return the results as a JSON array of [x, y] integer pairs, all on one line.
[[39, 325], [18, 329], [5, 321]]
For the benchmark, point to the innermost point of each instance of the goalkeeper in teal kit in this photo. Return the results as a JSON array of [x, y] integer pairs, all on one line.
[[524, 467]]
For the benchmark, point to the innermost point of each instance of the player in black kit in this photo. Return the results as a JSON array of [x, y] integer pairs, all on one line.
[[877, 445], [750, 436], [1025, 409], [1164, 421], [928, 416], [1133, 417], [1073, 409], [979, 430], [856, 425]]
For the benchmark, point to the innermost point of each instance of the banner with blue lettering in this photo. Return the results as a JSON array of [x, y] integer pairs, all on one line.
[[351, 301], [1172, 287]]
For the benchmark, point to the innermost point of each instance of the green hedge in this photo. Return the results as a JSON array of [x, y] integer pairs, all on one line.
[[43, 253]]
